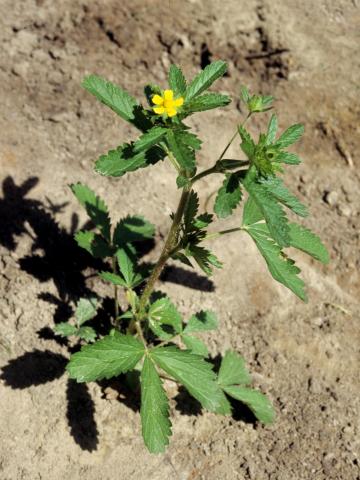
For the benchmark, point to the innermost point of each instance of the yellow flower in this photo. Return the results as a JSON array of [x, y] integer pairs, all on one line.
[[166, 103]]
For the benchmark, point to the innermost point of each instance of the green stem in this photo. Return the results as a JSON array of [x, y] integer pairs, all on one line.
[[222, 232], [170, 244], [116, 303]]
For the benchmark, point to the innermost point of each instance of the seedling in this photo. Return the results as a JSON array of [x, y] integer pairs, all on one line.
[[150, 336]]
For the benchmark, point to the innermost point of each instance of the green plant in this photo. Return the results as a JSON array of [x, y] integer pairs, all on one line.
[[149, 336]]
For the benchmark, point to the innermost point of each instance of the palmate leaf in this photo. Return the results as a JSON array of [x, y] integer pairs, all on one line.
[[305, 240], [201, 322], [149, 139], [258, 403], [163, 314], [87, 333], [229, 196], [177, 81], [86, 309], [184, 155], [205, 79], [95, 207], [290, 136], [195, 345], [233, 371], [154, 412], [208, 101], [270, 208], [194, 373], [113, 278], [127, 266], [95, 244], [132, 229], [108, 357], [65, 329], [124, 159], [277, 189], [112, 96], [281, 268]]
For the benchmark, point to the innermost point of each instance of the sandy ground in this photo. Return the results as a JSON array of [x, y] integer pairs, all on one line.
[[305, 356]]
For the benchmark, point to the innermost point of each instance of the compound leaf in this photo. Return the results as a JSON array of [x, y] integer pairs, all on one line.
[[95, 244], [127, 266], [184, 155], [189, 139], [208, 101], [201, 322], [132, 229], [87, 333], [149, 139], [204, 258], [65, 329], [288, 158], [247, 143], [86, 309], [305, 240], [277, 189], [272, 129], [233, 371], [154, 412], [195, 345], [108, 357], [258, 403], [229, 196], [205, 79], [177, 81], [113, 278], [162, 314], [290, 136]]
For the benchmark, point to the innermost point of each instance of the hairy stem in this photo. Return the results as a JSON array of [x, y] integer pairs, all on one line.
[[170, 244]]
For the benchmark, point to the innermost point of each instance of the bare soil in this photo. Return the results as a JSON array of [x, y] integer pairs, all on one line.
[[304, 356]]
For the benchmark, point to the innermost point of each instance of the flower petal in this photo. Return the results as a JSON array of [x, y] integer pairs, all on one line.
[[178, 102], [171, 111], [157, 100], [159, 110], [168, 94]]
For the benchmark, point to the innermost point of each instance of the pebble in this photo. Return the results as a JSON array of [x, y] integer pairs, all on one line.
[[331, 198], [344, 210]]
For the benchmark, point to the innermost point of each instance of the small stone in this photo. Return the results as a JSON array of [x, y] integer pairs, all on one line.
[[318, 321], [344, 210], [21, 69], [110, 393], [331, 198]]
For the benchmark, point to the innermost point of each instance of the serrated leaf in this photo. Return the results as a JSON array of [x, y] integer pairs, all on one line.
[[270, 208], [87, 333], [193, 372], [123, 159], [201, 322], [86, 309], [205, 79], [184, 155], [277, 189], [132, 229], [182, 258], [162, 314], [112, 96], [113, 278], [290, 136], [127, 266], [95, 244], [208, 101], [252, 213], [204, 258], [108, 357], [281, 267], [272, 129], [95, 207], [177, 81], [191, 209], [305, 240], [229, 196], [195, 345], [233, 371], [189, 139], [258, 403], [65, 329], [154, 412], [244, 94], [203, 220], [288, 158], [149, 139], [247, 143]]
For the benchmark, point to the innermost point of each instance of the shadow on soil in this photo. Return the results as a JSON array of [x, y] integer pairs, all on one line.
[[54, 255]]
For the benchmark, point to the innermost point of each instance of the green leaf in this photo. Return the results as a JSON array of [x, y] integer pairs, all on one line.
[[233, 371], [255, 400], [290, 136], [195, 345], [86, 309], [163, 313], [201, 322], [270, 208], [277, 189], [65, 329], [204, 258], [229, 196], [260, 103], [288, 158], [184, 155], [244, 94], [208, 101], [252, 213], [123, 159], [182, 258], [272, 129], [95, 244], [205, 79], [113, 278], [189, 139], [127, 265], [95, 208], [305, 240], [177, 81], [247, 143], [112, 96], [280, 266], [193, 372], [203, 220], [149, 139], [87, 333], [156, 426], [133, 229], [108, 357], [191, 209]]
